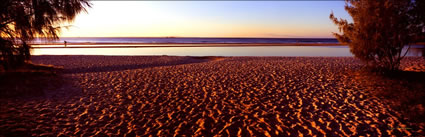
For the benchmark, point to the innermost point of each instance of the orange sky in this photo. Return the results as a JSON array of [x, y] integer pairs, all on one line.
[[204, 19]]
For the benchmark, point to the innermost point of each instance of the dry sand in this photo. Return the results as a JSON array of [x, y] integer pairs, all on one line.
[[174, 96]]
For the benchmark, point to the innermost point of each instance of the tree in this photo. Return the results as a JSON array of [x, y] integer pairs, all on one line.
[[418, 14], [23, 20], [380, 30]]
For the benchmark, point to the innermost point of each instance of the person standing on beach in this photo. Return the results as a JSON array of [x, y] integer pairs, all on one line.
[[64, 43]]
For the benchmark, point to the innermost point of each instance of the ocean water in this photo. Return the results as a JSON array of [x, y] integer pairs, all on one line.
[[170, 47], [309, 51], [187, 40]]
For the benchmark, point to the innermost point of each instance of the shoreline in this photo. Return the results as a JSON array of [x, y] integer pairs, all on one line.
[[212, 44], [153, 45], [172, 45]]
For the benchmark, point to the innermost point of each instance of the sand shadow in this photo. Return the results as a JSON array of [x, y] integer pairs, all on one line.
[[403, 90], [27, 84], [36, 81], [411, 76], [187, 60]]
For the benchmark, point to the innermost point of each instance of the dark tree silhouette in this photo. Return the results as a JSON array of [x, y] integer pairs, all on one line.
[[381, 29], [23, 20]]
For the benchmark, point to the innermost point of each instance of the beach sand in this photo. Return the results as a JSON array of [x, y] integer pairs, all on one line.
[[205, 96]]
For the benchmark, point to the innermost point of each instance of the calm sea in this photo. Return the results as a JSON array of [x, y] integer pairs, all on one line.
[[190, 40], [329, 51]]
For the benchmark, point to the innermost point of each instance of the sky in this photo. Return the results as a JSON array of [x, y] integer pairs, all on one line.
[[283, 19]]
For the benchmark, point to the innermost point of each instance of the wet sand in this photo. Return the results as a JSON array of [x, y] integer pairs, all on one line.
[[175, 96]]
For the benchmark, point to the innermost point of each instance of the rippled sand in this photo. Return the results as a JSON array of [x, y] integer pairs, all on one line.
[[175, 96]]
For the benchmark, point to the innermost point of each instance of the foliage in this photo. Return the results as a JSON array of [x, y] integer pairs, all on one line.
[[23, 20], [381, 29]]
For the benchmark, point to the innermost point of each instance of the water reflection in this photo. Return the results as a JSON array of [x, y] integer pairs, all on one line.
[[327, 51], [417, 52]]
